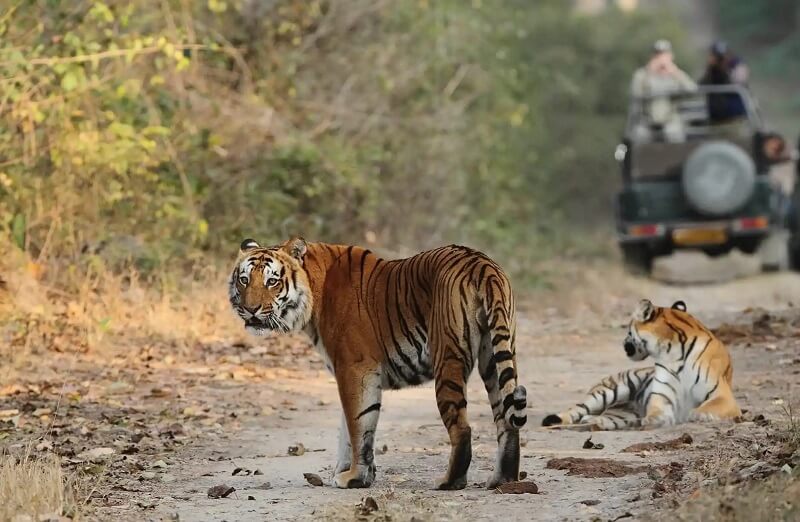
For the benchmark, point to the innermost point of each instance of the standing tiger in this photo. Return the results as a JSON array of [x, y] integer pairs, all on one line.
[[382, 324], [692, 377]]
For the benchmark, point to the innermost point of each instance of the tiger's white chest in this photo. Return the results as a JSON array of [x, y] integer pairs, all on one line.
[[319, 346]]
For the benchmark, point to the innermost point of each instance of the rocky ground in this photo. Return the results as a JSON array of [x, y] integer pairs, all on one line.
[[151, 431]]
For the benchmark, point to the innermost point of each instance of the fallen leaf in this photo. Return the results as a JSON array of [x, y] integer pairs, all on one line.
[[367, 505], [313, 479], [265, 485], [589, 502], [594, 468], [297, 450], [250, 497], [160, 464], [588, 444], [671, 444], [221, 491], [8, 413], [258, 472], [517, 488]]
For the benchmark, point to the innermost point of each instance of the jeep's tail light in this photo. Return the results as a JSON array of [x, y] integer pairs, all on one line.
[[751, 223], [648, 230]]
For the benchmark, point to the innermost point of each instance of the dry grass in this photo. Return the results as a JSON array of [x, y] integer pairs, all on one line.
[[90, 309], [34, 488]]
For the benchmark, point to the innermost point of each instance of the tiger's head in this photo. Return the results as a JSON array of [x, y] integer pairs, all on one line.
[[269, 287], [650, 333]]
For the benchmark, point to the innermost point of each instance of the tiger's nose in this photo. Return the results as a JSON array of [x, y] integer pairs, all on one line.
[[252, 310], [630, 348]]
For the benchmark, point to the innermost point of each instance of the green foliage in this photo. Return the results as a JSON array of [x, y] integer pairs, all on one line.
[[769, 27], [188, 125]]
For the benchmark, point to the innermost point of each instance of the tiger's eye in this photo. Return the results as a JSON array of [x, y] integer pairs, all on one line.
[[243, 281], [272, 281]]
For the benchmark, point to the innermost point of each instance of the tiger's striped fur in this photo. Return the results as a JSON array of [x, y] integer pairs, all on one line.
[[382, 324], [691, 380]]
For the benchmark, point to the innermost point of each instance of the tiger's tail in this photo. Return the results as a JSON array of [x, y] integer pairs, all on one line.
[[501, 324]]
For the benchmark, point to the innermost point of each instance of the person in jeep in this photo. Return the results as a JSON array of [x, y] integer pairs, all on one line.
[[656, 82], [724, 68]]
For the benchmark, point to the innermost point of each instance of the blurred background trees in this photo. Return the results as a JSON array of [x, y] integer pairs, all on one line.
[[169, 128]]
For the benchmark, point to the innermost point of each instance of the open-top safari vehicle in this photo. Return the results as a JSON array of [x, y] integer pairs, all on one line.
[[706, 186]]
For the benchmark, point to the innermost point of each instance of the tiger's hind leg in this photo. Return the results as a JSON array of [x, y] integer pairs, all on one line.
[[451, 370], [612, 419], [614, 391], [722, 405], [506, 468]]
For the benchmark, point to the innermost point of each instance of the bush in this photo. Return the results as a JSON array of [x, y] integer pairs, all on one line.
[[188, 125]]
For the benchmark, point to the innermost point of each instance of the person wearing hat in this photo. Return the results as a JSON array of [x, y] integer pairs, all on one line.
[[653, 85], [724, 68]]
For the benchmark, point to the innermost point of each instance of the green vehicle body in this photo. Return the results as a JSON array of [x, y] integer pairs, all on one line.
[[652, 207]]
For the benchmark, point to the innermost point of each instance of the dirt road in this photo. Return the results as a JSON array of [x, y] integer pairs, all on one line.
[[156, 426], [559, 357]]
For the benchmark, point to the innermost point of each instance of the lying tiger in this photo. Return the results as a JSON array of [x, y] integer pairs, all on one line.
[[691, 380], [382, 324]]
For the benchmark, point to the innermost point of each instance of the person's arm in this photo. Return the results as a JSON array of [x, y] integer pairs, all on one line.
[[637, 84], [740, 74], [684, 80]]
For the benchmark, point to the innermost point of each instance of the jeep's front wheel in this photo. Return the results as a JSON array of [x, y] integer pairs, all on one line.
[[638, 258]]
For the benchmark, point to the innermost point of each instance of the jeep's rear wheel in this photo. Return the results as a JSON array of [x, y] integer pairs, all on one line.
[[638, 258]]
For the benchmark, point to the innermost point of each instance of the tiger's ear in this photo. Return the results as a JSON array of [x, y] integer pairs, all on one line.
[[296, 248], [645, 311], [248, 244], [679, 305]]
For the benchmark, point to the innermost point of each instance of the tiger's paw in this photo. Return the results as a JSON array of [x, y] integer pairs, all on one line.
[[449, 485], [657, 421], [702, 416], [361, 477], [552, 420], [497, 479], [342, 465]]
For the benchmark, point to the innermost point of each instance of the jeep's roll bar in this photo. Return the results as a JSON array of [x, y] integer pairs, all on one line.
[[753, 113]]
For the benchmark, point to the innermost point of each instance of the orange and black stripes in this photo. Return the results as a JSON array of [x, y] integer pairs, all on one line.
[[433, 316], [691, 377]]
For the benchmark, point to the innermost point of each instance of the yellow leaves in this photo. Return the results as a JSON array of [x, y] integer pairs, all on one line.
[[101, 12], [517, 116], [69, 81], [202, 227], [217, 6], [35, 270], [5, 181], [287, 26]]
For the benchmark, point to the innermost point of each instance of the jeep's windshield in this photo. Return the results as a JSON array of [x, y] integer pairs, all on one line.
[[705, 112]]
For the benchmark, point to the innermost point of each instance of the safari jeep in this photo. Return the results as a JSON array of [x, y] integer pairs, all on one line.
[[698, 180]]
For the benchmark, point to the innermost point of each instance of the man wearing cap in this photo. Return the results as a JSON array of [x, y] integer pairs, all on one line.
[[724, 68], [654, 84]]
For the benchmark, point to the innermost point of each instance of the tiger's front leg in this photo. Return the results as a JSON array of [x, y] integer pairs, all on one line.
[[360, 393], [660, 411], [345, 450]]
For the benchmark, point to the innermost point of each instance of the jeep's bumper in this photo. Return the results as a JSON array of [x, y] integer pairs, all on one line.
[[694, 234]]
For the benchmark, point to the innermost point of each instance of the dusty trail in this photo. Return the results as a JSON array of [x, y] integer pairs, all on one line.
[[559, 358]]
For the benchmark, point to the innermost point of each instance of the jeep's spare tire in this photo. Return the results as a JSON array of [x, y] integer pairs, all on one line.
[[718, 178]]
